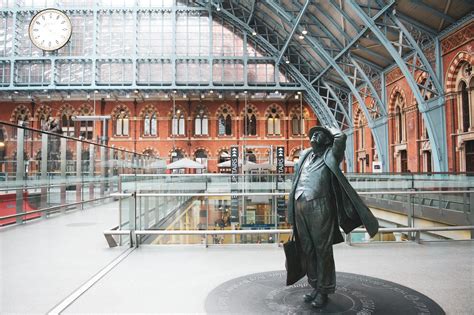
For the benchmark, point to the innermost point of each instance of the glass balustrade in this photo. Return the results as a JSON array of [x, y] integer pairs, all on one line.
[[44, 172], [222, 202]]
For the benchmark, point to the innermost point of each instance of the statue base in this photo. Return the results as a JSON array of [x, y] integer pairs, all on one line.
[[266, 293]]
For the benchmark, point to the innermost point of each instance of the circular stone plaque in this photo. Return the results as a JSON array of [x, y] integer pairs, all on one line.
[[266, 293]]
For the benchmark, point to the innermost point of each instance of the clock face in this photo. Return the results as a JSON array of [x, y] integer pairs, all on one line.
[[50, 29]]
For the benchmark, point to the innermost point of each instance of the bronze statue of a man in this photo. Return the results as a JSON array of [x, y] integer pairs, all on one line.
[[321, 200]]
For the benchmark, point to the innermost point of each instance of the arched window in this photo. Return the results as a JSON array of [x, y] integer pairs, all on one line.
[[87, 127], [176, 155], [224, 123], [361, 137], [298, 116], [465, 108], [398, 124], [250, 123], [122, 122], [201, 124], [43, 117], [178, 124], [273, 123], [150, 125], [67, 124], [201, 157]]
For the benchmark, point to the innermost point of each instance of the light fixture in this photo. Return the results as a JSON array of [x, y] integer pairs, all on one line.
[[49, 96], [128, 95], [276, 92], [96, 91], [254, 33], [304, 32], [108, 95], [88, 96], [68, 95], [147, 95], [211, 91], [16, 92], [301, 37], [184, 95], [236, 96], [297, 96], [220, 95], [287, 61], [136, 91]]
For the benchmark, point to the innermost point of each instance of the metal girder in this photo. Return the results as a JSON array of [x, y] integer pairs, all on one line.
[[434, 11], [313, 98], [378, 126], [432, 110], [295, 26]]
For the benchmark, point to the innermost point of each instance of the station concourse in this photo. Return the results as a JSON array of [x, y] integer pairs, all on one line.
[[148, 150]]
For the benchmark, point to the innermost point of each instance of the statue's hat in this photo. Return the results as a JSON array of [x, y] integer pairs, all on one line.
[[322, 129]]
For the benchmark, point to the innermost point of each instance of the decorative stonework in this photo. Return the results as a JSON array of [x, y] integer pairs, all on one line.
[[119, 108], [393, 97], [66, 109], [393, 76], [461, 57], [20, 111], [151, 151], [148, 109], [208, 153], [457, 39], [273, 109], [225, 109], [251, 107]]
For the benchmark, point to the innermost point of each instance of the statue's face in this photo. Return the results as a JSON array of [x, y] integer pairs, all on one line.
[[319, 140]]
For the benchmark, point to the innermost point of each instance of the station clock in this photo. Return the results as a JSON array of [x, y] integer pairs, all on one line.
[[50, 29]]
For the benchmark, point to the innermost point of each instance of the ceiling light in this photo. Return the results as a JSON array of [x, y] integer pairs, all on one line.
[[254, 33], [136, 91], [301, 37], [16, 92], [108, 95], [220, 95], [96, 91], [128, 95], [287, 61], [276, 92], [218, 8], [49, 96], [211, 91], [297, 96], [236, 96], [184, 95], [147, 95], [68, 95], [88, 96], [304, 32]]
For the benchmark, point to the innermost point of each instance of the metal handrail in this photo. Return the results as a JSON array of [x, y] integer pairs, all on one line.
[[138, 233], [213, 194], [53, 208]]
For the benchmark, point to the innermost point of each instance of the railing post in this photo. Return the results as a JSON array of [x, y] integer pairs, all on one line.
[[91, 171], [20, 172], [349, 239], [63, 166], [132, 215], [471, 210], [44, 172], [410, 211], [79, 173], [103, 170]]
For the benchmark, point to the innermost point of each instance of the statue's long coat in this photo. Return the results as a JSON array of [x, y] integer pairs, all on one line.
[[351, 210]]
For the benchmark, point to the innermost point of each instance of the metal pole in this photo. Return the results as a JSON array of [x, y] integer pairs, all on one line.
[[20, 172]]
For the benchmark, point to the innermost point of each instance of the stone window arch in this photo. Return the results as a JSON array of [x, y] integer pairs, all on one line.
[[201, 156], [298, 117], [273, 117], [176, 154], [178, 122], [66, 112], [86, 128], [43, 113], [400, 125], [224, 120], [149, 116], [121, 119], [20, 116], [201, 121], [250, 116]]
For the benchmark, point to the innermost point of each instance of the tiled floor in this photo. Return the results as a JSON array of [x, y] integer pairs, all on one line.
[[45, 261]]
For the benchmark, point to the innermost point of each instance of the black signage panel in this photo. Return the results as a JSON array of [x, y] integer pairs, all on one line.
[[280, 156], [234, 168]]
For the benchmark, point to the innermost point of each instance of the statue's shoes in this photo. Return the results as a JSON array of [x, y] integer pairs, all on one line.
[[310, 296], [320, 301]]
